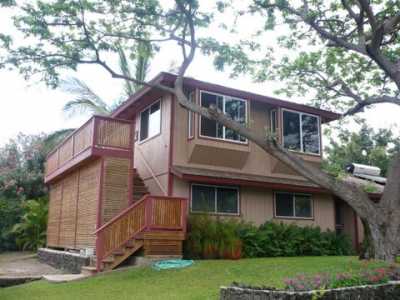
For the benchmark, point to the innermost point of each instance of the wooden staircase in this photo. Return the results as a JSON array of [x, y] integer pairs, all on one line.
[[121, 254], [139, 187], [150, 222]]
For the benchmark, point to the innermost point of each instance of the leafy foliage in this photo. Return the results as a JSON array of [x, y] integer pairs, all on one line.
[[330, 51], [367, 146], [213, 238], [279, 239], [209, 238], [31, 231], [21, 178], [365, 276], [10, 212]]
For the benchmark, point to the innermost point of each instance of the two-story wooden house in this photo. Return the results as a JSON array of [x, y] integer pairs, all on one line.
[[128, 181]]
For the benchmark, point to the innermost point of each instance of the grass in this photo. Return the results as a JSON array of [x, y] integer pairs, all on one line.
[[200, 281]]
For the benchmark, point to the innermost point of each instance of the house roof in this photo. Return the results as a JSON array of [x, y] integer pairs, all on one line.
[[168, 79]]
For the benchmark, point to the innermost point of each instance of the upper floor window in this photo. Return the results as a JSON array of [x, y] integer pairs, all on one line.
[[215, 199], [301, 132], [233, 107], [150, 121]]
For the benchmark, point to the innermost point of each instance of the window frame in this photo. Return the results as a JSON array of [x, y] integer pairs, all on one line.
[[273, 124], [223, 128], [215, 212], [294, 217], [140, 121], [191, 116], [301, 132]]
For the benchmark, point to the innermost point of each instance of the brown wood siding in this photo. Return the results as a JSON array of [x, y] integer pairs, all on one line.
[[53, 224], [68, 211], [66, 151], [115, 186], [87, 205], [73, 207], [113, 134]]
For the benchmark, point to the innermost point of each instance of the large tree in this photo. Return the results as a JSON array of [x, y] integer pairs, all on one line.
[[64, 34]]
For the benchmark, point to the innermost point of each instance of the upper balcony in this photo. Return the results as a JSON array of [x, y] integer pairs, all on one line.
[[97, 137]]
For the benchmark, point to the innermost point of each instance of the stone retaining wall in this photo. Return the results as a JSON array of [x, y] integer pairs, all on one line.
[[389, 291], [67, 261]]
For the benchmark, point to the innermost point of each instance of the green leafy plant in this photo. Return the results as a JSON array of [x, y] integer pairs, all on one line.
[[31, 231], [212, 238], [273, 239]]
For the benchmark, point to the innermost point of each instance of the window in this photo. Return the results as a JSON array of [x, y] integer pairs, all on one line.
[[274, 121], [301, 132], [215, 199], [293, 205], [150, 121], [233, 107], [191, 117]]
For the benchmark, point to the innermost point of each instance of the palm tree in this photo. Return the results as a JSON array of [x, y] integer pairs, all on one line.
[[87, 101]]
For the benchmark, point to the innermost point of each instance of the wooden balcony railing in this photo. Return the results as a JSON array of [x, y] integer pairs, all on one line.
[[149, 213], [100, 133]]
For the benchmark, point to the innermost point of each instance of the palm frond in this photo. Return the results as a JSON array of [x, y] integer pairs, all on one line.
[[85, 102], [129, 86]]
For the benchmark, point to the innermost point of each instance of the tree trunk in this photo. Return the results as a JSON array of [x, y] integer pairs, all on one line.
[[385, 241]]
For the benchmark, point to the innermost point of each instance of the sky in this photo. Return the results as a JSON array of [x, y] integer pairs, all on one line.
[[31, 108]]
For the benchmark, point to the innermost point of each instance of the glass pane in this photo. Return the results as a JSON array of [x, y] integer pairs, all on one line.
[[291, 130], [208, 127], [227, 200], [203, 198], [155, 119], [310, 134], [284, 205], [303, 206], [144, 125], [236, 110]]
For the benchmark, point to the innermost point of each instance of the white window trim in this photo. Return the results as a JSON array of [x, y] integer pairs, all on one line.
[[301, 132], [215, 212], [140, 121], [223, 107], [294, 217], [191, 122], [271, 121]]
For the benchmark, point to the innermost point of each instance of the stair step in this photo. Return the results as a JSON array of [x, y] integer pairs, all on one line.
[[88, 270], [118, 252], [130, 244], [108, 260]]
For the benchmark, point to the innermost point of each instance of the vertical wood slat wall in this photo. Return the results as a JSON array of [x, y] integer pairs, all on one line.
[[73, 209], [115, 186], [74, 201]]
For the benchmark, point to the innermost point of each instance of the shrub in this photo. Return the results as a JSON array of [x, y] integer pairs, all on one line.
[[210, 238], [226, 238], [340, 280], [278, 239], [31, 231], [10, 213]]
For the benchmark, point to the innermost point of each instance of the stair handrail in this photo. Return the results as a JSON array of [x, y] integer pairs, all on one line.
[[100, 251], [122, 213]]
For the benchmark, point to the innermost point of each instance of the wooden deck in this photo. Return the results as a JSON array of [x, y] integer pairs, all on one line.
[[99, 136]]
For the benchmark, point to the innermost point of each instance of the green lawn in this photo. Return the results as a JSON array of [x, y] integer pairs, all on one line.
[[200, 281]]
